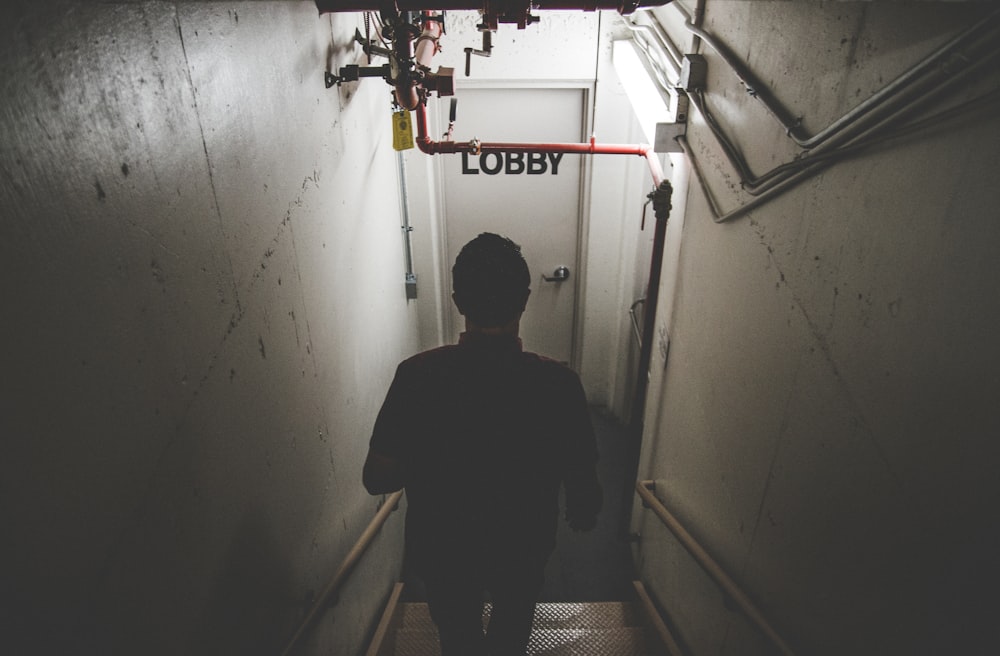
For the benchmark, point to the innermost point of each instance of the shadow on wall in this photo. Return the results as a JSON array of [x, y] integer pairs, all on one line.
[[250, 609], [964, 601]]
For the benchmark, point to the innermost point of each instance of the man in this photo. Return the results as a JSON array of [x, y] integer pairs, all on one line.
[[482, 434]]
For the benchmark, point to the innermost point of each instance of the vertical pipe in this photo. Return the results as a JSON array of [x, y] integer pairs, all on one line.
[[661, 210], [427, 42], [404, 206], [404, 82]]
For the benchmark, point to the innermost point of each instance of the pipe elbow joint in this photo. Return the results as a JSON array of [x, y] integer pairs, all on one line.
[[425, 145], [406, 95]]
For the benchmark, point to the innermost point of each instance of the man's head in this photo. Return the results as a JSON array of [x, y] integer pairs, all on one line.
[[490, 280]]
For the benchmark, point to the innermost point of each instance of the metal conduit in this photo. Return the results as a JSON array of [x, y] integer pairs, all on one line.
[[859, 129], [792, 127], [800, 172], [904, 102], [410, 280], [666, 48]]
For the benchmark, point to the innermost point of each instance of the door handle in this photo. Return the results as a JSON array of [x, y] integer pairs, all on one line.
[[560, 274]]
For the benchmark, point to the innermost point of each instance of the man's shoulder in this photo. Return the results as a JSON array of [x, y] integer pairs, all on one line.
[[550, 366], [445, 358], [430, 356]]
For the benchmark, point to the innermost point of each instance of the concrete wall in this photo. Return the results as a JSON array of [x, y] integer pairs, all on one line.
[[825, 423], [202, 279]]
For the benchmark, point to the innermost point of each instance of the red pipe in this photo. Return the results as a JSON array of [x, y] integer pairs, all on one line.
[[430, 147], [406, 86], [475, 147]]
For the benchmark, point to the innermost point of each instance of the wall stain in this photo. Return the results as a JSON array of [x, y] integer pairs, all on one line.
[[263, 351], [100, 191], [295, 325], [157, 272]]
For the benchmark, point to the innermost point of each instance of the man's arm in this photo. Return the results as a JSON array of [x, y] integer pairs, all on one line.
[[384, 470], [584, 499], [382, 474]]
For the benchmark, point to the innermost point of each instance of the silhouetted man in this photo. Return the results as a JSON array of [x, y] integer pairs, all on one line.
[[482, 434]]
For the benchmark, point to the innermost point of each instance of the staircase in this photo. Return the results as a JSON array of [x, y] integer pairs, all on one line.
[[610, 628]]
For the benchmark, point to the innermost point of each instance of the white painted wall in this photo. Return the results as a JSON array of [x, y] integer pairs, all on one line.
[[204, 304], [825, 424], [617, 247]]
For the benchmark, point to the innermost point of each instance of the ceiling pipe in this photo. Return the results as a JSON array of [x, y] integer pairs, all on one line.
[[935, 62], [404, 81], [408, 70], [797, 172], [494, 11], [476, 147], [408, 83], [411, 77]]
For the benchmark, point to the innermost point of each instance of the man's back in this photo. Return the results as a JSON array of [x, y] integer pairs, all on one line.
[[487, 433], [481, 435]]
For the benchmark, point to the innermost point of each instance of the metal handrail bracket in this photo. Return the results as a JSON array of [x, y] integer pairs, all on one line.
[[645, 489]]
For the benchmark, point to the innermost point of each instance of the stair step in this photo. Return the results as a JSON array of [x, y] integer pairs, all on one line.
[[624, 641], [591, 615], [560, 629]]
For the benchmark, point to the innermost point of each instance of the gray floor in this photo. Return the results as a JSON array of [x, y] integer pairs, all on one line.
[[593, 566], [597, 566]]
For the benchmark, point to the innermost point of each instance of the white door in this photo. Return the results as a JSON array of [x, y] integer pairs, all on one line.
[[533, 198]]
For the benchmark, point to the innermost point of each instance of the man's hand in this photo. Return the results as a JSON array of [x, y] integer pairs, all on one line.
[[383, 474]]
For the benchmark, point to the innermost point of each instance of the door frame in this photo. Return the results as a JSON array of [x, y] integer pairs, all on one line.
[[587, 88]]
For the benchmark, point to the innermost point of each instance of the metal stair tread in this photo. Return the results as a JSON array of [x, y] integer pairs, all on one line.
[[620, 641], [560, 629], [548, 615]]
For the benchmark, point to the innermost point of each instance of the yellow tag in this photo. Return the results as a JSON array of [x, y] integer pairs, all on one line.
[[402, 130]]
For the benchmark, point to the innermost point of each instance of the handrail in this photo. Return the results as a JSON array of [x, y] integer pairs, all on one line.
[[712, 568], [654, 620], [353, 556]]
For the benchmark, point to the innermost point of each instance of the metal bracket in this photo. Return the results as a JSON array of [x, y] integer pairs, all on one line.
[[485, 52], [665, 140], [369, 47], [353, 72]]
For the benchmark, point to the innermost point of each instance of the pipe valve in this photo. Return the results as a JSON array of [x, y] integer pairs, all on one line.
[[486, 51], [414, 32]]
